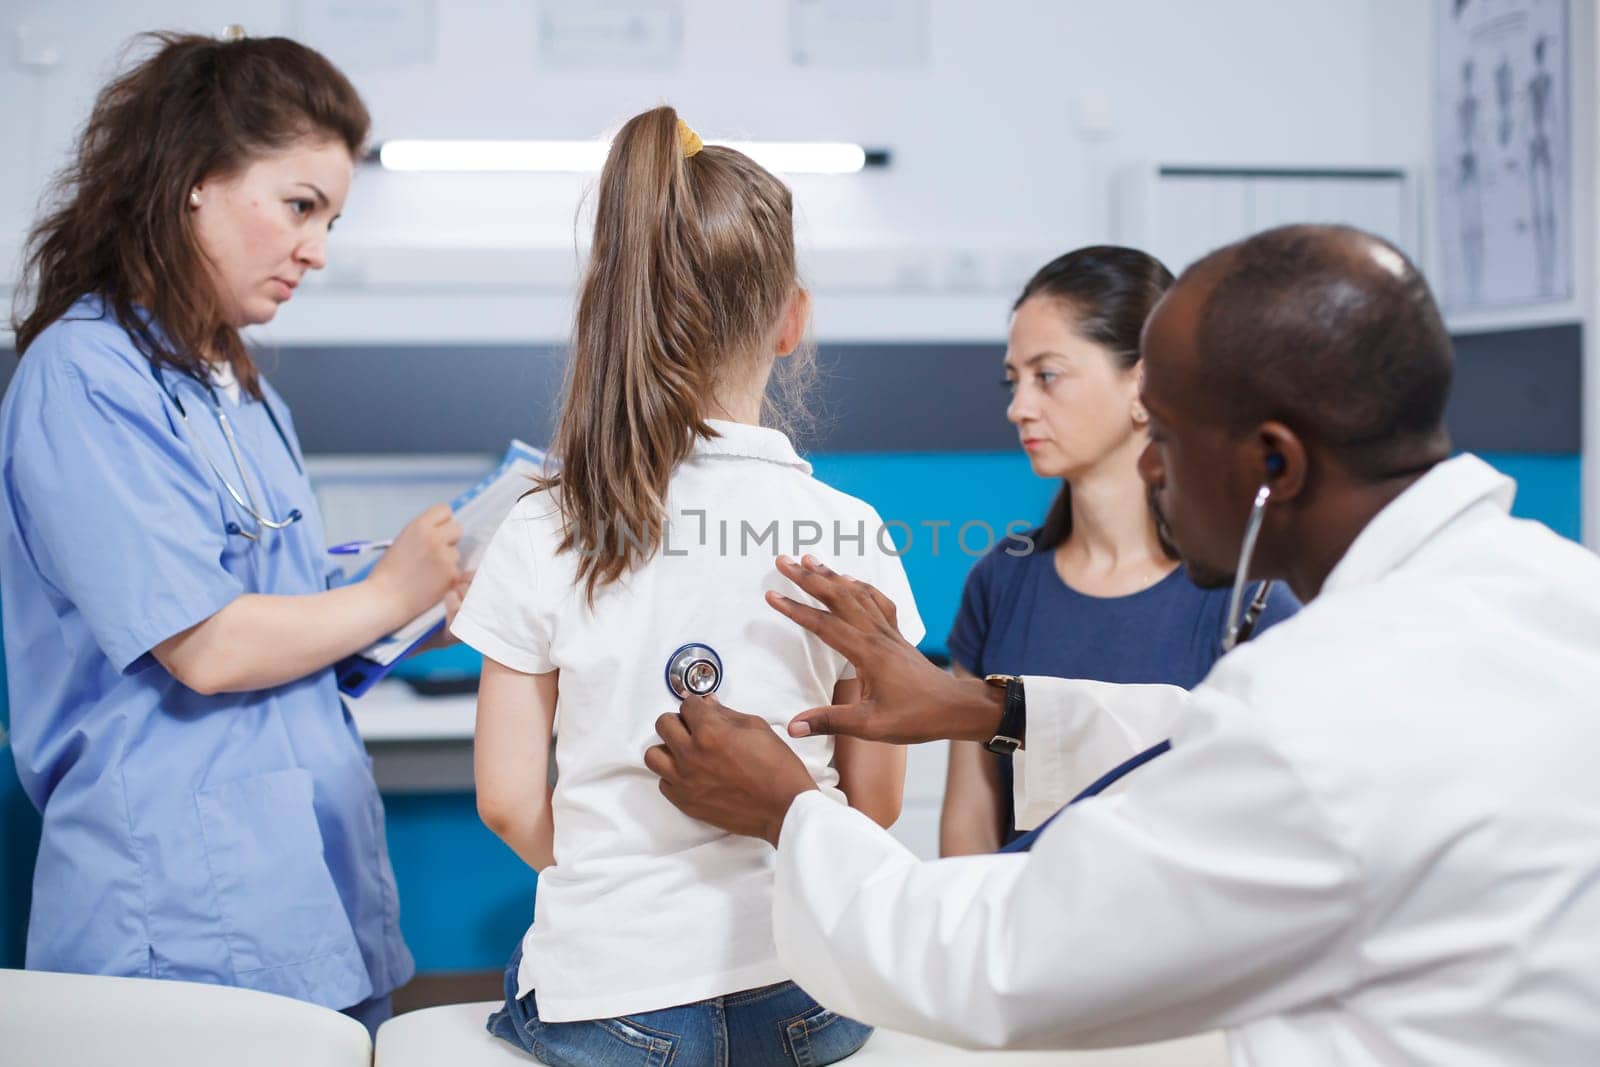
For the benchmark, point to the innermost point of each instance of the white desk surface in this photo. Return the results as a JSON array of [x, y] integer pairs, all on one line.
[[393, 711]]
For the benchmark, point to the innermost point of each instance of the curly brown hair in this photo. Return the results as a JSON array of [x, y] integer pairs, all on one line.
[[116, 224]]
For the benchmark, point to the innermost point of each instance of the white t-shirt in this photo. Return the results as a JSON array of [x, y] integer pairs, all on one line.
[[646, 908]]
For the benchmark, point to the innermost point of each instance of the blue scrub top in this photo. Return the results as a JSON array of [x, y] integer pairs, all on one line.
[[237, 838]]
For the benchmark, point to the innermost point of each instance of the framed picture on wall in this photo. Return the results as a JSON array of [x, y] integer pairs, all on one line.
[[1503, 152]]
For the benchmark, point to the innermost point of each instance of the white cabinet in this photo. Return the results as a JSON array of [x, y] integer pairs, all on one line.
[[1179, 213]]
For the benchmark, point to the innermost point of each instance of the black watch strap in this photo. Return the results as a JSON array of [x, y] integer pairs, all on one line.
[[1013, 721]]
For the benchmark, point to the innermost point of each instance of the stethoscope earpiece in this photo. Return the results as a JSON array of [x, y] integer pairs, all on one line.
[[694, 670]]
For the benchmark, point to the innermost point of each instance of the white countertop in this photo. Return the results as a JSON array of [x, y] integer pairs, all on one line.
[[393, 711]]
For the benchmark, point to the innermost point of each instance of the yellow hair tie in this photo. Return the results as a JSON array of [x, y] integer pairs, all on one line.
[[688, 140]]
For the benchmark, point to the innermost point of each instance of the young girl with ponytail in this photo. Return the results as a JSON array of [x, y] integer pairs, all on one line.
[[652, 938]]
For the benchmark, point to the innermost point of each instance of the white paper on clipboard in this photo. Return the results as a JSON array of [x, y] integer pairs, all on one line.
[[480, 511]]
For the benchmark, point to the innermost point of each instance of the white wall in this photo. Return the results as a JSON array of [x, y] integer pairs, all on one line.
[[990, 172]]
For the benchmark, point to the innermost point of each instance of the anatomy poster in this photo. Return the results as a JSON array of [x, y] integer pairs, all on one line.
[[1503, 152]]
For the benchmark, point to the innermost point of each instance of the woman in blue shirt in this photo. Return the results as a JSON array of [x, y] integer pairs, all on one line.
[[1096, 592], [209, 813]]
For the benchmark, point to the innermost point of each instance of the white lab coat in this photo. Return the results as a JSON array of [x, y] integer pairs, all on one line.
[[1376, 839], [1082, 730]]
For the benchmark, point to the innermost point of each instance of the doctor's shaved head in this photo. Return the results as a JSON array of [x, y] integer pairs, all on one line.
[[1310, 360], [1332, 331]]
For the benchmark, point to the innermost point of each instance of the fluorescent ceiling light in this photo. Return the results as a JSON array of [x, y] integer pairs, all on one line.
[[787, 157]]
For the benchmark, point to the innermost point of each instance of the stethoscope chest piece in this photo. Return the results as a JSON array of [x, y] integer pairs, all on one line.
[[694, 670]]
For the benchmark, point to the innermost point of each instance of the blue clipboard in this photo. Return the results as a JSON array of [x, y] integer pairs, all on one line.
[[357, 673]]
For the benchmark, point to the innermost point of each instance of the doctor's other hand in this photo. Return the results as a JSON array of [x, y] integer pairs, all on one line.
[[423, 563], [904, 699], [727, 768]]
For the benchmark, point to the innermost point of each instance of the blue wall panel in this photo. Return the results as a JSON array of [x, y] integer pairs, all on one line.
[[1549, 488], [465, 898]]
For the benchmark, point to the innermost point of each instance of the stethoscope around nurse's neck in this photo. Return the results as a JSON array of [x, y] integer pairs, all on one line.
[[246, 500]]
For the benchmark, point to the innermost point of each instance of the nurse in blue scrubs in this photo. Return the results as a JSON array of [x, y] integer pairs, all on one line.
[[209, 813]]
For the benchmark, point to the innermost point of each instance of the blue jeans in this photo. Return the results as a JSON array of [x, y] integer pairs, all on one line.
[[774, 1026]]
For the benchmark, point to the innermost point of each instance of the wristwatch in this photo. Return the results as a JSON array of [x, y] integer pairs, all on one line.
[[1013, 720]]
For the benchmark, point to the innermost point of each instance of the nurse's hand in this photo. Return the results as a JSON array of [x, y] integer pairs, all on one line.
[[420, 566], [904, 698], [726, 768]]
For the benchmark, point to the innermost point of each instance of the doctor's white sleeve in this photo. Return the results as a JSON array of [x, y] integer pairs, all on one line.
[[1214, 890], [1077, 731]]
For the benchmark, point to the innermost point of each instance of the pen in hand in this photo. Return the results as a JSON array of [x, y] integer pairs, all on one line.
[[355, 548]]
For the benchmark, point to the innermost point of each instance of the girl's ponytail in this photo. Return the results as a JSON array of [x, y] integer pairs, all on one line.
[[692, 262]]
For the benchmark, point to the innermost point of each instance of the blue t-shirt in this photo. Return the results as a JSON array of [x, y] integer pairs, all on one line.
[[1018, 617]]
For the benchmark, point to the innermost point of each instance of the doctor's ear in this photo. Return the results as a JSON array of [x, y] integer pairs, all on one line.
[[1283, 460]]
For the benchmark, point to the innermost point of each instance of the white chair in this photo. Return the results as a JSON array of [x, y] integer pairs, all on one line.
[[454, 1035], [85, 1020]]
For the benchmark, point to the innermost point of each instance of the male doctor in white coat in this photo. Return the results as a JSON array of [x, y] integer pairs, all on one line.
[[1376, 837]]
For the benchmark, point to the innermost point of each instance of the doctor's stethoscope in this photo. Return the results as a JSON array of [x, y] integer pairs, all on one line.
[[246, 499], [1239, 627], [694, 669]]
